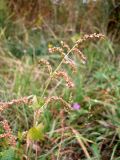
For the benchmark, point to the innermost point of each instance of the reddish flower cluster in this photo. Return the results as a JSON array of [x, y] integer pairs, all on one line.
[[23, 100], [8, 133], [4, 123], [64, 75]]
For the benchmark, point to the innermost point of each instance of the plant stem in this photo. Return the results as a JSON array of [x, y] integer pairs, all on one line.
[[58, 67]]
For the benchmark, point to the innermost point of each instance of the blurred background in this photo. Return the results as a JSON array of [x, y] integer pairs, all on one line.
[[27, 27]]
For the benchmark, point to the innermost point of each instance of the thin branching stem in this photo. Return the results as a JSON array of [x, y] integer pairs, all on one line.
[[58, 67]]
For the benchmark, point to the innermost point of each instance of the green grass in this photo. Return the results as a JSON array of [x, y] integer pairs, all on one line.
[[97, 122]]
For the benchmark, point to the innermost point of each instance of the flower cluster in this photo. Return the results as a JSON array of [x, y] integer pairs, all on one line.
[[4, 123], [47, 64], [80, 54], [23, 100], [89, 37], [8, 133], [59, 99], [64, 75]]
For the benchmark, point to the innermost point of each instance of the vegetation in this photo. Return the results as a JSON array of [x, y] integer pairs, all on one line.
[[59, 80]]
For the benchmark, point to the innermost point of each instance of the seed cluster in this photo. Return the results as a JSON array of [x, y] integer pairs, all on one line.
[[65, 45], [57, 49], [47, 64], [71, 63], [59, 99], [90, 37], [75, 49], [23, 100], [8, 133], [64, 75], [4, 123], [80, 54]]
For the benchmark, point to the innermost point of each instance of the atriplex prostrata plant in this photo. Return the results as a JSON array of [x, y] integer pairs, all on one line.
[[40, 103]]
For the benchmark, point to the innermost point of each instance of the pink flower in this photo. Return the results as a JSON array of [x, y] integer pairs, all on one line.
[[76, 106]]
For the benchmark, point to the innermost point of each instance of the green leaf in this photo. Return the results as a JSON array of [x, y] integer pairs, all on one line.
[[75, 37], [20, 136], [37, 102], [41, 102], [8, 154], [96, 150], [36, 133]]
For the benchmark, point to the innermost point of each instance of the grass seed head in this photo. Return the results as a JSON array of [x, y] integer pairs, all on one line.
[[80, 54], [47, 64], [71, 63], [8, 133], [90, 37], [23, 100], [55, 49], [59, 99], [64, 75], [65, 45]]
